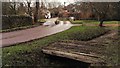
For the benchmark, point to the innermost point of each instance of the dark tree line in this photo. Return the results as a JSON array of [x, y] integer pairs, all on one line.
[[101, 11], [106, 11], [21, 8]]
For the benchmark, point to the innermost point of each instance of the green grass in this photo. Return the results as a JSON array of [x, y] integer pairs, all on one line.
[[111, 22], [41, 20], [29, 53], [84, 21], [77, 22], [93, 22], [112, 49]]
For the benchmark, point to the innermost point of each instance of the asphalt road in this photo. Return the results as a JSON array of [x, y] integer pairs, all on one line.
[[20, 36]]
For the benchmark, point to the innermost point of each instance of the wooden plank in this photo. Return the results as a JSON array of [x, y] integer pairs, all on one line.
[[80, 57]]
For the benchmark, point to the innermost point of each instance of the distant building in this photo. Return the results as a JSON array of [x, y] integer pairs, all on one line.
[[47, 14]]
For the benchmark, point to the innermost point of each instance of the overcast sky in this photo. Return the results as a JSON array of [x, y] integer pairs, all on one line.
[[71, 1], [39, 0]]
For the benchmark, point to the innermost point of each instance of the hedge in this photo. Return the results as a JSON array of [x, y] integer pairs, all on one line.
[[14, 21]]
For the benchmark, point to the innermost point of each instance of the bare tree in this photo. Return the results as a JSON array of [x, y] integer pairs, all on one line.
[[14, 7], [36, 11], [21, 9], [29, 10], [9, 8], [101, 10], [106, 11]]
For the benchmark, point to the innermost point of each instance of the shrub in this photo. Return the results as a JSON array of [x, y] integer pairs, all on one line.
[[88, 33], [14, 21]]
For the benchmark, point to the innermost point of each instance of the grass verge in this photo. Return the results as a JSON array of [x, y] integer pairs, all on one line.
[[19, 28], [93, 22]]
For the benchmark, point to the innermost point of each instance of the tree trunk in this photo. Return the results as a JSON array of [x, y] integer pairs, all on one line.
[[14, 7], [29, 9], [101, 23], [36, 11]]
